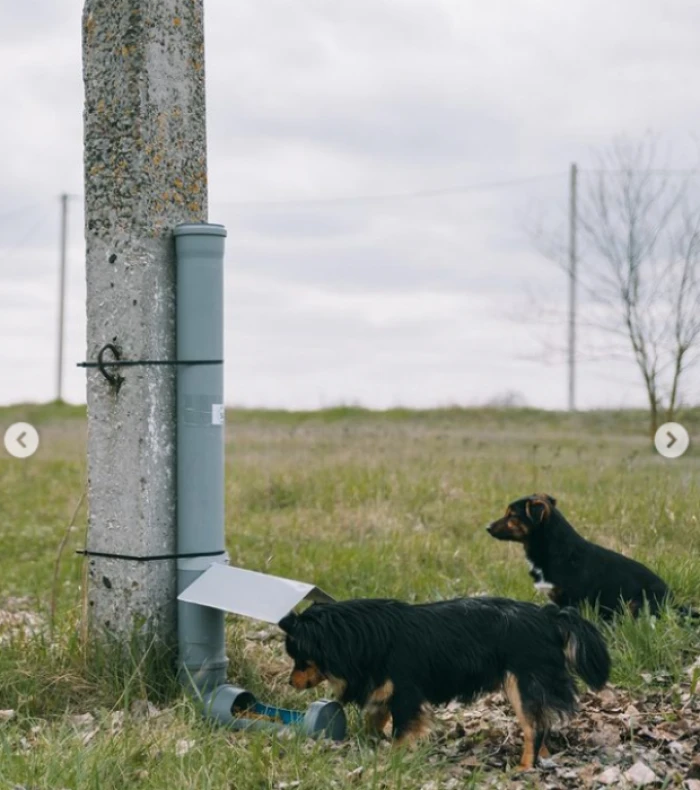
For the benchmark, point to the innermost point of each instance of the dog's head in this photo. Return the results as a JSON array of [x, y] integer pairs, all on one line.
[[523, 518], [302, 647], [344, 643]]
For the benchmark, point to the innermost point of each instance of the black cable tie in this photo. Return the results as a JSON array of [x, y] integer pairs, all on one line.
[[116, 380], [123, 363], [151, 558]]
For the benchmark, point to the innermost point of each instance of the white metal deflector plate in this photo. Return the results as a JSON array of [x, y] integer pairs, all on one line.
[[251, 594]]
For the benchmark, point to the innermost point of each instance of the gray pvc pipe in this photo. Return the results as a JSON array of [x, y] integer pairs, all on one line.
[[325, 717], [221, 704], [199, 252], [202, 660], [227, 705]]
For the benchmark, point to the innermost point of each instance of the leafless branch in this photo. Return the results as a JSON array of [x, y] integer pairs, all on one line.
[[640, 277]]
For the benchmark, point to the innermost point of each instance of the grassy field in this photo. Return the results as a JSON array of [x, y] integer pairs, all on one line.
[[362, 504]]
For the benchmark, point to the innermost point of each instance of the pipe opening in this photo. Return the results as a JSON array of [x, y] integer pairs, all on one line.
[[245, 701]]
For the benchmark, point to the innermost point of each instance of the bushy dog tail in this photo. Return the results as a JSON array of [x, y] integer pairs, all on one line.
[[584, 647]]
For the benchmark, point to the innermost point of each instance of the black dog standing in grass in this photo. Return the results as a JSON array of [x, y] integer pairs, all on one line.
[[391, 658], [575, 570]]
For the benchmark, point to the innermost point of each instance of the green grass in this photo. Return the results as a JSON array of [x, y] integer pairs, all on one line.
[[361, 503]]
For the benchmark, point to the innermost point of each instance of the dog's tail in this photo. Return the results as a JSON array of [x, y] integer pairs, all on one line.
[[584, 647]]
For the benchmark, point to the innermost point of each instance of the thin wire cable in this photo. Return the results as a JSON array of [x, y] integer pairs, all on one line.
[[653, 171], [18, 245], [437, 192], [424, 193], [43, 204]]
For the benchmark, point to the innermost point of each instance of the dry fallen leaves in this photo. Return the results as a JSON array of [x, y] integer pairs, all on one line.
[[142, 709], [182, 747], [640, 775], [17, 619], [610, 776], [82, 721], [616, 740], [356, 774], [694, 768], [116, 722]]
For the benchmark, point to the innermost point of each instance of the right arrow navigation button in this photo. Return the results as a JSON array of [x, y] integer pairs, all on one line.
[[671, 440]]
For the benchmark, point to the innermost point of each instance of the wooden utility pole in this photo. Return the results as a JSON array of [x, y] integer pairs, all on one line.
[[145, 172], [572, 287], [61, 296]]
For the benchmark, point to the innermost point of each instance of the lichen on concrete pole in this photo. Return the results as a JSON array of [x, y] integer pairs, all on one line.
[[145, 172]]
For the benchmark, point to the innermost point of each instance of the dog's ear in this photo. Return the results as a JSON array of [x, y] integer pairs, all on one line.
[[289, 623], [539, 507], [303, 637]]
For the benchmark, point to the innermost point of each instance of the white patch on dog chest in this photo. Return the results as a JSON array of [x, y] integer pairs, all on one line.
[[539, 583]]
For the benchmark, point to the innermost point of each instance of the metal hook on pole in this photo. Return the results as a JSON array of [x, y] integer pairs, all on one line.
[[113, 378]]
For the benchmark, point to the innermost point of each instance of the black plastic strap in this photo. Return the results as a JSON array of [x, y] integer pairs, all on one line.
[[152, 558], [116, 380], [124, 363]]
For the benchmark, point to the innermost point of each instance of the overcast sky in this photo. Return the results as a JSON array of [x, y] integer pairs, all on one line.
[[398, 297]]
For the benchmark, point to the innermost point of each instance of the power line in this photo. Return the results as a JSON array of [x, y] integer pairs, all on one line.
[[8, 252], [655, 171], [437, 192], [22, 210], [424, 193]]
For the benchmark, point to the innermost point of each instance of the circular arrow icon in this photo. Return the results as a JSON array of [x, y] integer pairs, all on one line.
[[671, 440], [21, 440]]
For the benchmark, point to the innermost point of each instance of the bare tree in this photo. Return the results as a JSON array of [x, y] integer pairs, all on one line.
[[639, 270]]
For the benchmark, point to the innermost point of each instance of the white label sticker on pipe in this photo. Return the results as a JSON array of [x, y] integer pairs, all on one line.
[[217, 414]]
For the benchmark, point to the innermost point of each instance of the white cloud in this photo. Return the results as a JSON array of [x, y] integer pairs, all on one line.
[[416, 301]]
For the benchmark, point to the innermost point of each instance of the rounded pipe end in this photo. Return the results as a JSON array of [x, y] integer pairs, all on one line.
[[327, 718], [199, 229], [226, 702]]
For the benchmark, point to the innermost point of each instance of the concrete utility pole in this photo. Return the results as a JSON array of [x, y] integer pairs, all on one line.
[[61, 296], [145, 172], [572, 287]]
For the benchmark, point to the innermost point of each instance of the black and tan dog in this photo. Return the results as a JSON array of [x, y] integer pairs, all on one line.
[[572, 569], [390, 658]]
